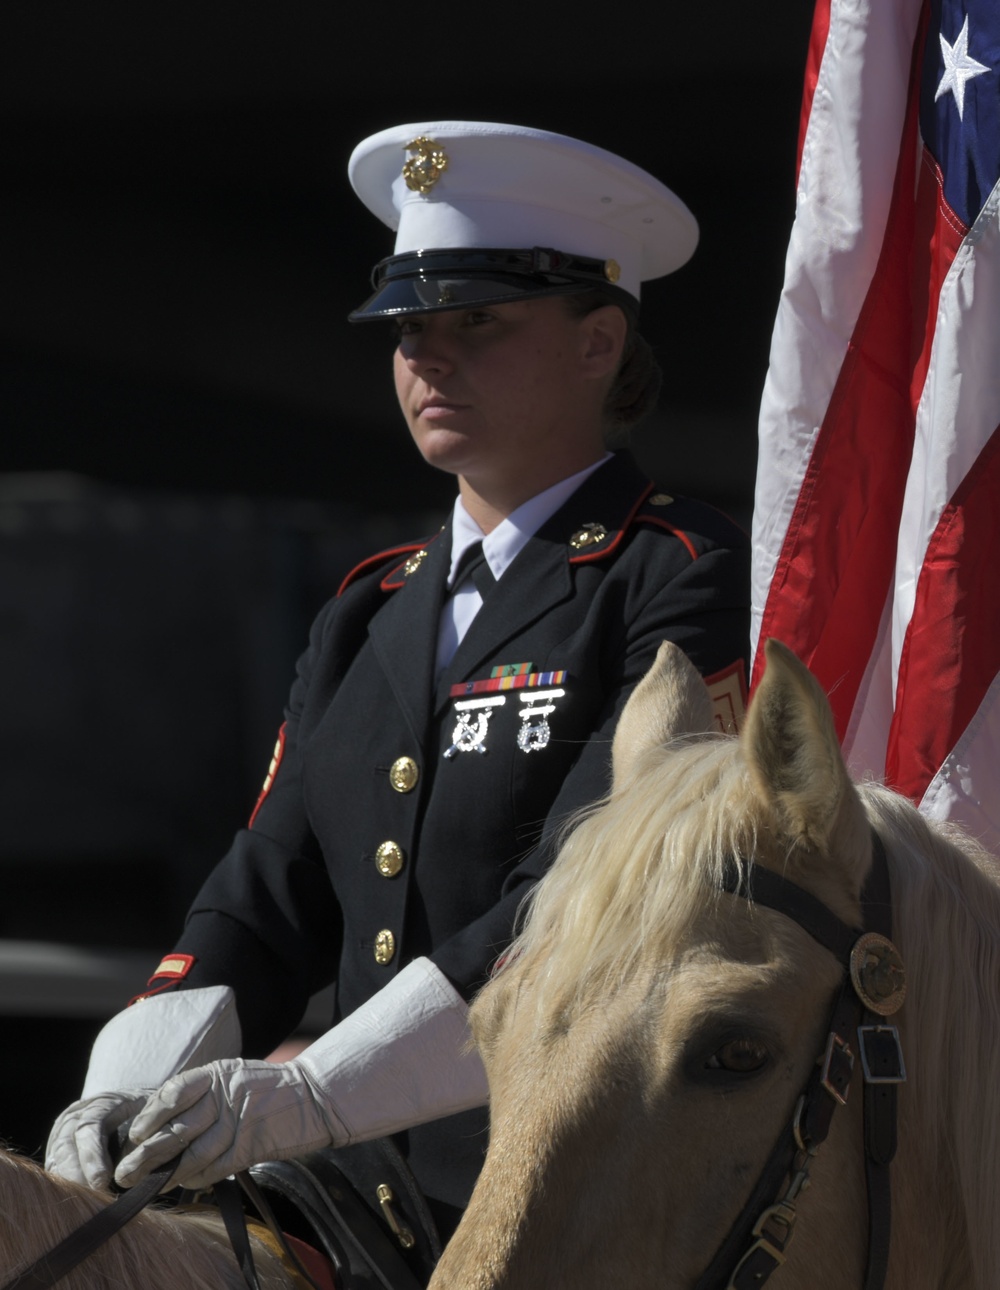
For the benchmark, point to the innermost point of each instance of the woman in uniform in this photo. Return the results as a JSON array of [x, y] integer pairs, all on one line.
[[457, 699]]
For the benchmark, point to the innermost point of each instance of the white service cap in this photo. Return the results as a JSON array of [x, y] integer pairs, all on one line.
[[487, 212]]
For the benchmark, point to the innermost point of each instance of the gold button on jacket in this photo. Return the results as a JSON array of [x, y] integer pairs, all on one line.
[[403, 774], [389, 859], [385, 947]]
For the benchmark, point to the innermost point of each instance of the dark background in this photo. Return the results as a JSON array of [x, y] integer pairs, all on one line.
[[195, 445]]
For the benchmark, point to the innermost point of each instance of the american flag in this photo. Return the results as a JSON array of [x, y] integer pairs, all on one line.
[[877, 513]]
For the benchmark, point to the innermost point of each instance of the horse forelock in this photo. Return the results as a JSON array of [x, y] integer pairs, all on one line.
[[946, 922], [634, 871]]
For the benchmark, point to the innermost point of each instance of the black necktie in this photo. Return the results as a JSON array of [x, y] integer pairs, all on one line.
[[472, 565]]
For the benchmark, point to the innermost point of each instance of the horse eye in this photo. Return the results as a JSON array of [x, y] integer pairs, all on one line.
[[741, 1056]]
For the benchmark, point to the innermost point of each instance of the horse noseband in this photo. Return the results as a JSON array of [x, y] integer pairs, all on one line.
[[873, 988]]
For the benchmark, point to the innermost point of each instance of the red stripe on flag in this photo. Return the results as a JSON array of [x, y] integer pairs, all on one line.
[[837, 562], [817, 44], [951, 651]]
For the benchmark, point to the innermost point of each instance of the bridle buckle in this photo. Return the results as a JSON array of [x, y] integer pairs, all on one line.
[[776, 1226], [773, 1229], [837, 1068], [881, 1055]]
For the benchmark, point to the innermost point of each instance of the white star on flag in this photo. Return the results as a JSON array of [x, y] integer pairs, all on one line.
[[958, 67]]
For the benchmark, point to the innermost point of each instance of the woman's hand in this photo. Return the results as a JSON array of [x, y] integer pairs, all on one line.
[[135, 1052], [78, 1144], [227, 1116]]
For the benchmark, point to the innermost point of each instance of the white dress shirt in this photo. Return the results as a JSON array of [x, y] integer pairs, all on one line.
[[500, 547]]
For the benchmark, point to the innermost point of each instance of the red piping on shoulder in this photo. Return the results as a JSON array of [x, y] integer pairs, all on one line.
[[678, 533], [380, 558], [606, 550]]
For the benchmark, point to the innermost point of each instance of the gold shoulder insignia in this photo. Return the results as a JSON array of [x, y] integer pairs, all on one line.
[[414, 562], [589, 535]]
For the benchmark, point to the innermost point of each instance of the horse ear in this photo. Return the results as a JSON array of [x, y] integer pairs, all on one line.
[[670, 700], [791, 747]]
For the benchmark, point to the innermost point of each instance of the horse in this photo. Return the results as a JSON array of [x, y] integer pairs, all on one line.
[[648, 1035]]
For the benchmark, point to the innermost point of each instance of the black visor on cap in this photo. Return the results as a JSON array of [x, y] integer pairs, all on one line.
[[420, 282]]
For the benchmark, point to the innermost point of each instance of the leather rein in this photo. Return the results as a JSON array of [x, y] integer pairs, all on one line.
[[873, 988]]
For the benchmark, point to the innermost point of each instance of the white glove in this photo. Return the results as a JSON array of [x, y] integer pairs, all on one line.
[[403, 1058], [135, 1052]]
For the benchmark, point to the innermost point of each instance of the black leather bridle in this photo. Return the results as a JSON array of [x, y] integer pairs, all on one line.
[[872, 989]]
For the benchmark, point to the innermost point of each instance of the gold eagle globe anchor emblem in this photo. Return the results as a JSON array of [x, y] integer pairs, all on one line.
[[424, 170]]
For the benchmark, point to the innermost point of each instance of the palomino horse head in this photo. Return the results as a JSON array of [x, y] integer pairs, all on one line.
[[649, 1035]]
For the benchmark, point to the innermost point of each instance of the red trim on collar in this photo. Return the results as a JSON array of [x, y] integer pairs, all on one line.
[[379, 558], [613, 544]]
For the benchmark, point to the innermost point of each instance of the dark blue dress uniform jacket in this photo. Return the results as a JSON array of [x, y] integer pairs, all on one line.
[[300, 900]]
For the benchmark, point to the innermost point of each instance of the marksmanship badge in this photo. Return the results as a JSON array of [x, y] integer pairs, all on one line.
[[535, 731], [473, 719], [424, 170]]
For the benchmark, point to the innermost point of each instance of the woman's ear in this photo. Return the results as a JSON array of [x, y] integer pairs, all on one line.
[[603, 332]]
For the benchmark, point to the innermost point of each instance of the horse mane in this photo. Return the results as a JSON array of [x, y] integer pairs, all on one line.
[[636, 869], [946, 922], [158, 1249]]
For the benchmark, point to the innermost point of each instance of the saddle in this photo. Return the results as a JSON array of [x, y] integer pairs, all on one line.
[[361, 1207]]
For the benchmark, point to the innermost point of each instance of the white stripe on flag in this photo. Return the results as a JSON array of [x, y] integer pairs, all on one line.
[[842, 201]]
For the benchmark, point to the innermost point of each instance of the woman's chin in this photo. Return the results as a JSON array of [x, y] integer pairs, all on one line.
[[445, 449]]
